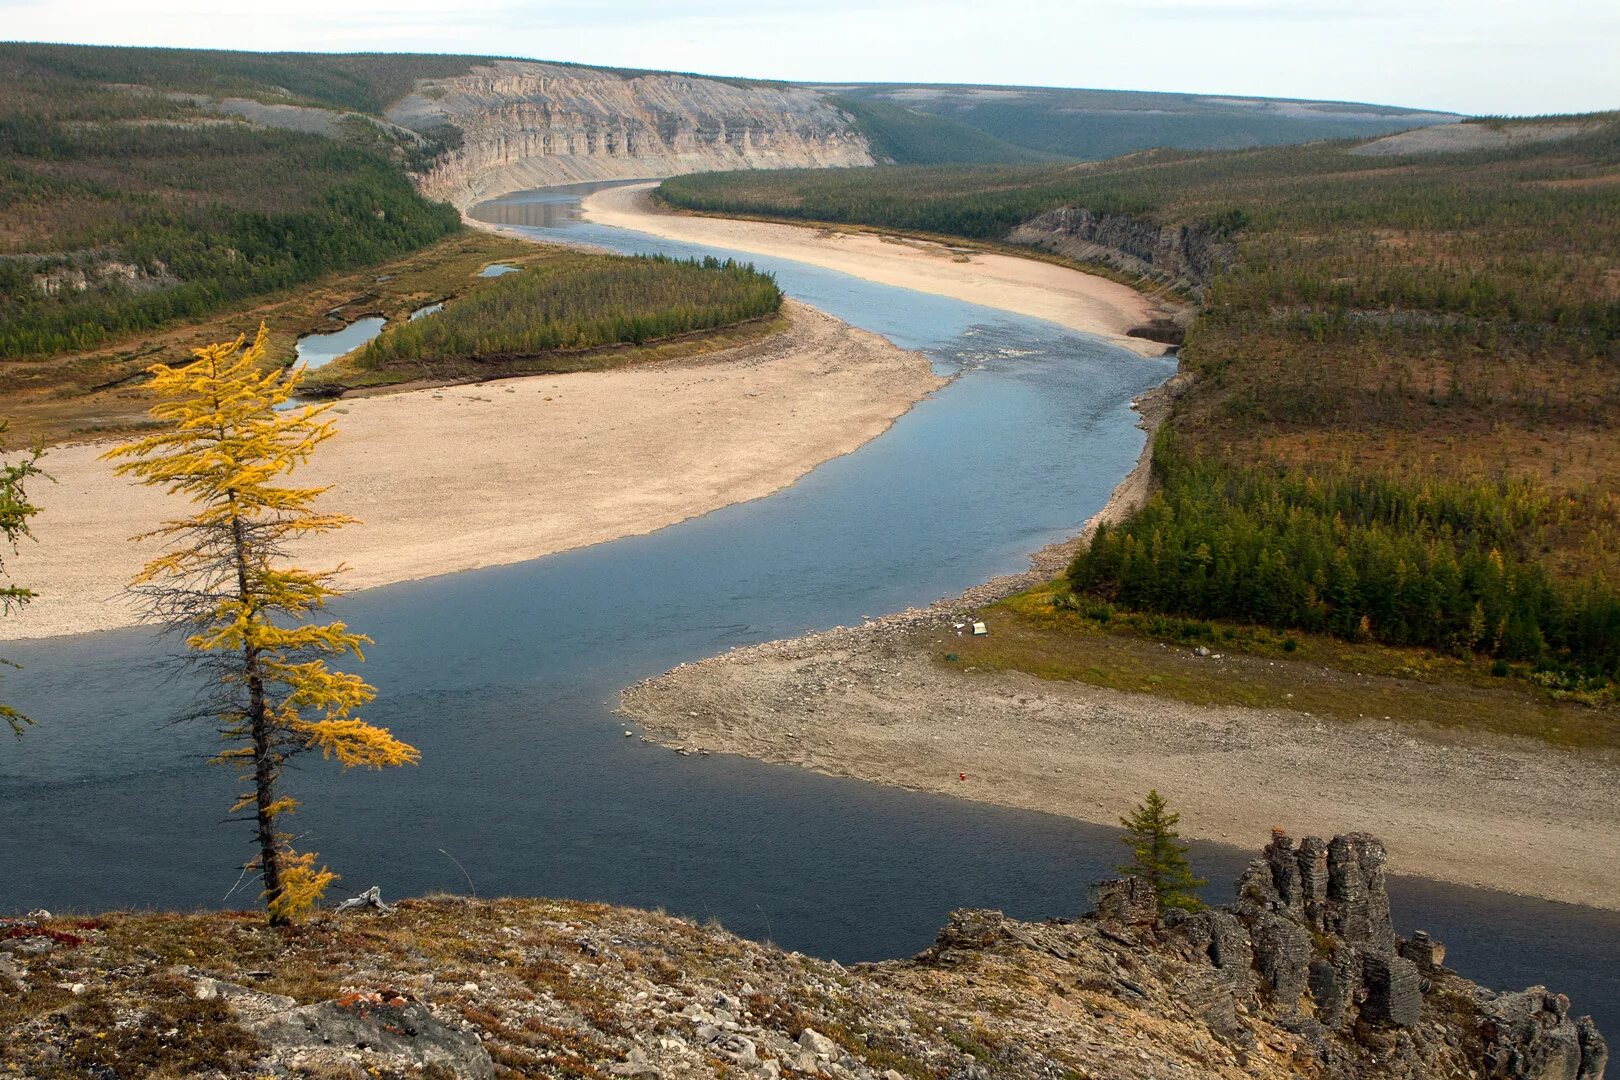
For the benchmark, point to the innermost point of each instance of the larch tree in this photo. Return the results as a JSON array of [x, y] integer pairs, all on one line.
[[1160, 856], [249, 618], [15, 512]]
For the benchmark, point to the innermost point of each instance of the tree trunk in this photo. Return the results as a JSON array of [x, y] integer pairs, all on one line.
[[264, 759]]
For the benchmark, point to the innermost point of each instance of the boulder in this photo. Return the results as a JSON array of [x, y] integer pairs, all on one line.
[[373, 1029], [1128, 901], [1282, 954], [1529, 1035], [1394, 990]]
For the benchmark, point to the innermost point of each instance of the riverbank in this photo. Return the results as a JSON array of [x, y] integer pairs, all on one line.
[[872, 702], [456, 478], [1058, 294]]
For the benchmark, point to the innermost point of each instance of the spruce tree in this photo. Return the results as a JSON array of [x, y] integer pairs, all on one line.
[[1160, 856]]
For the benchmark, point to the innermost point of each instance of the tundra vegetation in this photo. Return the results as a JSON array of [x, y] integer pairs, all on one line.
[[1406, 383], [249, 617]]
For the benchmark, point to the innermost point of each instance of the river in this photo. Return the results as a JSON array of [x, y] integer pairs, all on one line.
[[505, 679]]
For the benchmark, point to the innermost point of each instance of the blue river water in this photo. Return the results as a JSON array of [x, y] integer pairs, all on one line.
[[505, 679]]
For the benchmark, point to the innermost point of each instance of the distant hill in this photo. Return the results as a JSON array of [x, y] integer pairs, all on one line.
[[1090, 125], [904, 136]]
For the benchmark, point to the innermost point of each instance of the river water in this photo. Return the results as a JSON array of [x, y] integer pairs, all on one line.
[[505, 679]]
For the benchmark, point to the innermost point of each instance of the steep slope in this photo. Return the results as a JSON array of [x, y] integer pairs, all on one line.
[[526, 124]]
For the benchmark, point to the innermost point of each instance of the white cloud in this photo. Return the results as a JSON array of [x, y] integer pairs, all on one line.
[[1477, 56]]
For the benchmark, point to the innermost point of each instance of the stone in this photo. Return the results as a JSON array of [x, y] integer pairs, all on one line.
[[361, 1028], [1282, 954], [1428, 954], [635, 1063], [969, 929], [1529, 1035], [1394, 990], [1330, 990], [1127, 901], [1312, 857], [1285, 879], [735, 1046], [818, 1044], [1357, 897], [246, 1002], [1594, 1050]]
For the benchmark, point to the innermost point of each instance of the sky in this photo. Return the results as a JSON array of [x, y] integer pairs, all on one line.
[[1513, 57]]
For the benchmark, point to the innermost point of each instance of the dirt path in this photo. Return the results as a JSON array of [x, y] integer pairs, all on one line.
[[869, 702], [1084, 302], [462, 477]]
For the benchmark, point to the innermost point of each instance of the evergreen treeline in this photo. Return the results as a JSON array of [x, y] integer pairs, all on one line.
[[123, 210], [581, 301], [1363, 557]]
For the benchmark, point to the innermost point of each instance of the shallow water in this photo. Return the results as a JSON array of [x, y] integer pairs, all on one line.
[[505, 678], [497, 270], [318, 350]]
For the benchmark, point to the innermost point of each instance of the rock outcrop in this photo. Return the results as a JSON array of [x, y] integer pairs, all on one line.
[[524, 125], [1310, 942], [1186, 257], [1303, 977]]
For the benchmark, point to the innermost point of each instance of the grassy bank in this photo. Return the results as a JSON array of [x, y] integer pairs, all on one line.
[[1042, 632], [1401, 325]]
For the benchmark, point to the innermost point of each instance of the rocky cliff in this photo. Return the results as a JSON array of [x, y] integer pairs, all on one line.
[[1186, 257], [1302, 978], [525, 125]]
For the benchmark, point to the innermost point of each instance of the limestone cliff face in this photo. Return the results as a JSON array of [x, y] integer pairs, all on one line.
[[528, 125]]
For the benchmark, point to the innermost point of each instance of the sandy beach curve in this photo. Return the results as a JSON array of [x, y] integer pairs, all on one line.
[[1041, 290], [522, 467]]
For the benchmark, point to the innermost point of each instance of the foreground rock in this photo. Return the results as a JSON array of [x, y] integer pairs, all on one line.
[[1302, 977]]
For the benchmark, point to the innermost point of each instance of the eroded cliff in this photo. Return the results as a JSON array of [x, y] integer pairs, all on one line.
[[525, 125], [1185, 257]]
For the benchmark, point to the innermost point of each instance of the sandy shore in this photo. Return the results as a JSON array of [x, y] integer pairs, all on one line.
[[869, 702], [1084, 302], [461, 477]]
